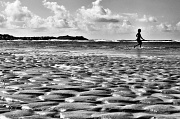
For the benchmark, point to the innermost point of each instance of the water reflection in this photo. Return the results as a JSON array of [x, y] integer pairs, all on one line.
[[139, 53]]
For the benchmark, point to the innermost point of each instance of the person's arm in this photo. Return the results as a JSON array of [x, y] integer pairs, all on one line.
[[142, 38]]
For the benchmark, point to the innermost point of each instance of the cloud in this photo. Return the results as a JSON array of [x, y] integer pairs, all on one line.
[[131, 15], [61, 18], [39, 29], [98, 14], [89, 19], [84, 25], [16, 13], [54, 22], [125, 28], [2, 3], [126, 23], [88, 27], [165, 27], [2, 21], [2, 18], [18, 16], [152, 19], [147, 19], [178, 26], [59, 11], [36, 22], [106, 20]]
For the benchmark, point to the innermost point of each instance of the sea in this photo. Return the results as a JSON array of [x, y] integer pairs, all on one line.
[[123, 49]]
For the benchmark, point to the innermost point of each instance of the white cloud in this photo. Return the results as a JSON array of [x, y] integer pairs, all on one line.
[[59, 11], [125, 27], [2, 21], [2, 3], [61, 18], [165, 27], [144, 19], [2, 18], [152, 19], [90, 19], [126, 23], [147, 19], [98, 14], [88, 27], [178, 26], [84, 25], [18, 16], [15, 12], [37, 24], [131, 15]]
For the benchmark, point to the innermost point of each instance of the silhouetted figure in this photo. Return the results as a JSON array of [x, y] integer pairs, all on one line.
[[139, 37]]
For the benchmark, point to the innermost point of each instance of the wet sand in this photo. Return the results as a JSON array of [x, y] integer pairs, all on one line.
[[53, 83]]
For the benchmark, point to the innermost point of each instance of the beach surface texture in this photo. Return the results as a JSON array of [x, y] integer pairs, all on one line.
[[41, 80]]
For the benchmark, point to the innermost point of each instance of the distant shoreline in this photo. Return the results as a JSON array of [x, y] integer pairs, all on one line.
[[90, 41], [67, 38]]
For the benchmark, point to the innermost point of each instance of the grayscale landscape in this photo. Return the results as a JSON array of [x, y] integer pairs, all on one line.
[[89, 59]]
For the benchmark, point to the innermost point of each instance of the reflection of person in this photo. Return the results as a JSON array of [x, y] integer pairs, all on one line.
[[139, 37], [139, 52]]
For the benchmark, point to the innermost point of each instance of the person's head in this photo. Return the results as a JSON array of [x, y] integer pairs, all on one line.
[[139, 30]]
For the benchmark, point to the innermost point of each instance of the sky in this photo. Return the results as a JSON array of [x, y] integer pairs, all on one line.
[[93, 19]]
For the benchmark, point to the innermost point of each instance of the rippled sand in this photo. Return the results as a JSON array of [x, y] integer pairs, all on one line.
[[53, 83]]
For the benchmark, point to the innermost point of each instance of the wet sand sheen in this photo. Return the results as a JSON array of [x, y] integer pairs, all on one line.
[[50, 84]]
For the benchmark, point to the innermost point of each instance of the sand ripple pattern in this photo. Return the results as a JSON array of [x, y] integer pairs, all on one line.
[[88, 87]]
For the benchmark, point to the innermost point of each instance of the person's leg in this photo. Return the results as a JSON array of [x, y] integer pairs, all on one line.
[[140, 43], [136, 45]]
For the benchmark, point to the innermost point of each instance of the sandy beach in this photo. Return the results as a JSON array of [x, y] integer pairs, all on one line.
[[83, 83]]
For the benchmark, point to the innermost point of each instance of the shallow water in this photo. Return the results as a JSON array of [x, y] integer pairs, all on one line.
[[149, 49]]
